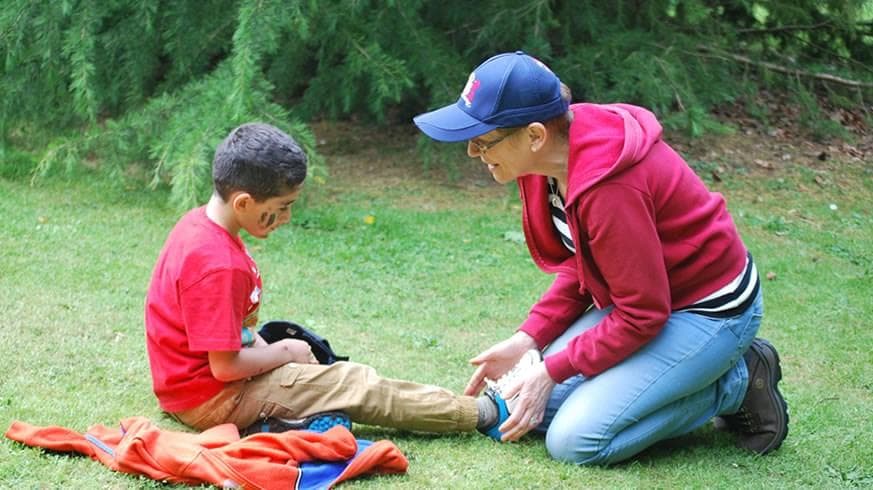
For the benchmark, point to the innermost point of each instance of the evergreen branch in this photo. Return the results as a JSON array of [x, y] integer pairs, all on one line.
[[81, 53], [676, 94], [392, 69], [831, 52], [771, 30], [534, 9], [210, 39], [9, 27], [416, 33], [783, 69], [360, 48]]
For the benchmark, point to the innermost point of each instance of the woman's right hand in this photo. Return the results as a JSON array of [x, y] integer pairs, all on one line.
[[497, 360]]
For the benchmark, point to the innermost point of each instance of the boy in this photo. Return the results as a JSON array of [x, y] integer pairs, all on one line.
[[207, 363]]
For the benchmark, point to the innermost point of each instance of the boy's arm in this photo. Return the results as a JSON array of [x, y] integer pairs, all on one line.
[[259, 341], [233, 365]]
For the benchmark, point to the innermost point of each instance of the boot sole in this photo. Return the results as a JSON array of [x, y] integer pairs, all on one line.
[[769, 355]]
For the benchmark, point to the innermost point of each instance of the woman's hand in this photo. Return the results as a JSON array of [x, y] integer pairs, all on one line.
[[497, 360], [533, 391]]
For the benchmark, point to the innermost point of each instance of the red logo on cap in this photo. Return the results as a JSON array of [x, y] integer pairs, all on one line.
[[470, 90]]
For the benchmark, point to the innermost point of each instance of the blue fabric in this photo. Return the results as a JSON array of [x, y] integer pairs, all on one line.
[[692, 371], [100, 444], [502, 415], [507, 90], [320, 474]]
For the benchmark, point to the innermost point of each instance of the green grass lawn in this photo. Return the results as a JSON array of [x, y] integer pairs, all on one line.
[[437, 276]]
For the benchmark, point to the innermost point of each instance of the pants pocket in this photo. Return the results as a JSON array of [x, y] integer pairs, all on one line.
[[264, 396], [288, 375]]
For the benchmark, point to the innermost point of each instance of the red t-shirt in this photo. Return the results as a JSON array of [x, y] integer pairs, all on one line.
[[204, 289]]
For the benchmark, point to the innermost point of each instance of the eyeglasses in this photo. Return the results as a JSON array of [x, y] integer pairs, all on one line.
[[482, 147]]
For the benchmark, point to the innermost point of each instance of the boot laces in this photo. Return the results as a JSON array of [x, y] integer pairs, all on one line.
[[744, 421]]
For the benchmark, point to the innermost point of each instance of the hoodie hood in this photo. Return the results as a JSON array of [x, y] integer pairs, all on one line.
[[606, 140]]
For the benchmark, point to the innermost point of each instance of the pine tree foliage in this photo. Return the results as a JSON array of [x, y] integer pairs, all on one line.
[[155, 84]]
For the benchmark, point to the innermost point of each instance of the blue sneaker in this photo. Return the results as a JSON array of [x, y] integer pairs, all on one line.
[[502, 414], [495, 390], [319, 422]]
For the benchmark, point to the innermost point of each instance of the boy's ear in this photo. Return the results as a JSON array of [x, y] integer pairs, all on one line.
[[241, 201]]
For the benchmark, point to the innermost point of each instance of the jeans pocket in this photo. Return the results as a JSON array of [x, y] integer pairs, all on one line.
[[745, 327]]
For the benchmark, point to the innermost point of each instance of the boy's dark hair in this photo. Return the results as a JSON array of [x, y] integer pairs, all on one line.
[[259, 159]]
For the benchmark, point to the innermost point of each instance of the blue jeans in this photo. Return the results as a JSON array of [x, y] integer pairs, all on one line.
[[692, 371]]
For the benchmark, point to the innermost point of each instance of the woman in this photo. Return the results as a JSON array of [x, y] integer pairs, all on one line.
[[648, 330]]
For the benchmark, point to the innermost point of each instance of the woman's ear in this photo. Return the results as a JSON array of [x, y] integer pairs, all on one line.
[[537, 135]]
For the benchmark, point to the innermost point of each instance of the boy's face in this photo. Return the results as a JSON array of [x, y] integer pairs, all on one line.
[[260, 219]]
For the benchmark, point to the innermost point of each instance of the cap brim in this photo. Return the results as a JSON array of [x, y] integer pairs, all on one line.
[[451, 124]]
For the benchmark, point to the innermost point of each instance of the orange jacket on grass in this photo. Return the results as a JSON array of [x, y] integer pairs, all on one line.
[[218, 455]]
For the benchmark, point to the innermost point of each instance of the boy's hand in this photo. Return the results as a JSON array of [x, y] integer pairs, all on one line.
[[298, 351]]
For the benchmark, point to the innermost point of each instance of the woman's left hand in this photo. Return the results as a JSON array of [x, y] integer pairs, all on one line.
[[533, 392]]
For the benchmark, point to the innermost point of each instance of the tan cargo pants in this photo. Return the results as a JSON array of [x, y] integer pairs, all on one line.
[[298, 390]]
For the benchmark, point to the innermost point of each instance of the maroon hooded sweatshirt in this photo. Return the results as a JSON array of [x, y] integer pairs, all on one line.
[[649, 237]]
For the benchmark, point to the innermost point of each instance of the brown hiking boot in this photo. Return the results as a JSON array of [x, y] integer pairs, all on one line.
[[762, 421]]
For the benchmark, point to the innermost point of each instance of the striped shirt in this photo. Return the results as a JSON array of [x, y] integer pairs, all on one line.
[[730, 300], [559, 217]]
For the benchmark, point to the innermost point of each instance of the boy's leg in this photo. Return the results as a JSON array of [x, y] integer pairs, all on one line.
[[692, 371], [295, 391]]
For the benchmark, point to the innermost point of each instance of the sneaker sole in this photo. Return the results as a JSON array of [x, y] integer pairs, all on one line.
[[320, 422], [768, 354], [326, 421]]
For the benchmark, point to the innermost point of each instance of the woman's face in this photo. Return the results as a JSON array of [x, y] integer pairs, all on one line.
[[502, 152]]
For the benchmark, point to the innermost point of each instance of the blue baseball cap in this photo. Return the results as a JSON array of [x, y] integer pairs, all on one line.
[[507, 90]]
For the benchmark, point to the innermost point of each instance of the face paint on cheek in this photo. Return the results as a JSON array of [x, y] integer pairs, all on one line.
[[271, 220], [263, 219]]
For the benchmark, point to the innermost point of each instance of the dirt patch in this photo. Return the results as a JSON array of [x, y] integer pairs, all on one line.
[[386, 158], [380, 158], [780, 143]]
